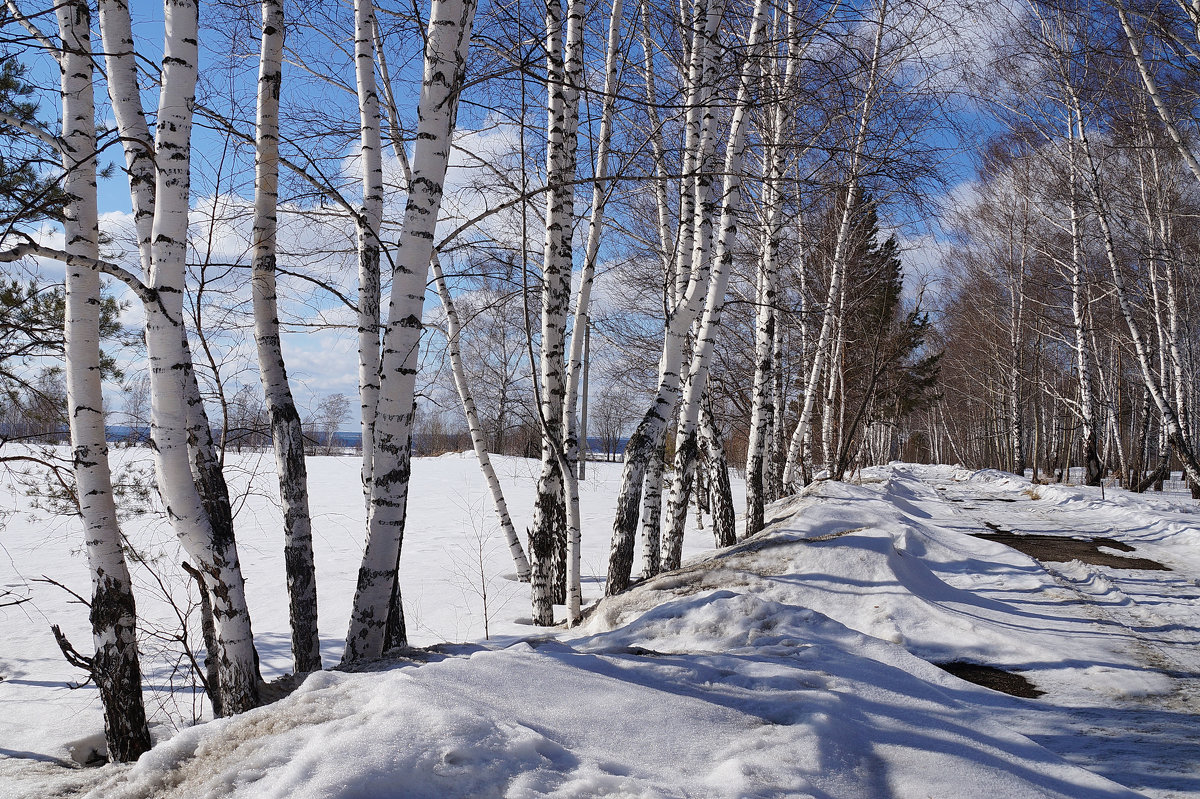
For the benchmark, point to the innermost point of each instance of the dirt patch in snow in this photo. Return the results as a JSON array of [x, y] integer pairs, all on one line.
[[1060, 549], [1006, 682]]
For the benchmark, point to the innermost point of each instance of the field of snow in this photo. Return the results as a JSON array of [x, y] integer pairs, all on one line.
[[797, 663], [453, 551]]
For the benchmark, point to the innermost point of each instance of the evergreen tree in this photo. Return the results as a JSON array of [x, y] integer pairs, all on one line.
[[884, 370], [27, 193]]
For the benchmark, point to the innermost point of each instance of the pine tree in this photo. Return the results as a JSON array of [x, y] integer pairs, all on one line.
[[885, 374]]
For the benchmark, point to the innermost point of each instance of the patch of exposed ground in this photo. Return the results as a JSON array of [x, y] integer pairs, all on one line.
[[1060, 549], [1007, 682]]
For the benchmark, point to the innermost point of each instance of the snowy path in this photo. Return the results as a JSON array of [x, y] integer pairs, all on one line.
[[1144, 736]]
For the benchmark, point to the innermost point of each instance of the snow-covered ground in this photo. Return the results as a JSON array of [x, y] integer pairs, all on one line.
[[453, 549], [798, 663]]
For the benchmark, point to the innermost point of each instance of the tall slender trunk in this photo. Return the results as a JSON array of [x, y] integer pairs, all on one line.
[[763, 408], [841, 245], [1152, 91], [115, 666], [648, 437], [687, 445], [286, 433], [367, 225], [478, 442], [776, 451], [548, 534], [1170, 421], [465, 395], [447, 39], [652, 515], [188, 475], [724, 525], [1093, 469], [600, 194], [1016, 419], [187, 464]]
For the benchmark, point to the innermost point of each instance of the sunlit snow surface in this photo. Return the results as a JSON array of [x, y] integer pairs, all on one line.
[[794, 664]]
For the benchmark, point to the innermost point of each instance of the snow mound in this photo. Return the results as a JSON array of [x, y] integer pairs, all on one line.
[[727, 678]]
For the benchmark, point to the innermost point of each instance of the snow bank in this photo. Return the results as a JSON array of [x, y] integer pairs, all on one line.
[[728, 678]]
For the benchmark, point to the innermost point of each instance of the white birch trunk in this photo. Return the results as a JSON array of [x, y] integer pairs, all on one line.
[[447, 40], [1178, 364], [773, 479], [115, 666], [160, 190], [687, 444], [575, 363], [766, 367], [139, 148], [1152, 91], [652, 516], [548, 533], [587, 275], [724, 519], [478, 439], [1170, 421], [1083, 357], [369, 221], [286, 433], [666, 249], [841, 244], [453, 337], [648, 438]]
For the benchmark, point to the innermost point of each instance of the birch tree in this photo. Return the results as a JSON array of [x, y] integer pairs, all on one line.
[[286, 432], [115, 665], [838, 266], [775, 164], [159, 171], [687, 434], [447, 40], [690, 282], [548, 533], [367, 225], [478, 442]]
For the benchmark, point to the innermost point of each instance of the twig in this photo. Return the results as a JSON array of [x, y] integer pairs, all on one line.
[[12, 602], [45, 579], [74, 657]]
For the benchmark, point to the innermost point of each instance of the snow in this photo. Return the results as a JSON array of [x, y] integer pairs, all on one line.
[[796, 663]]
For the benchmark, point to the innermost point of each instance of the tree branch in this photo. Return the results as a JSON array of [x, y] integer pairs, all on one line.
[[144, 292]]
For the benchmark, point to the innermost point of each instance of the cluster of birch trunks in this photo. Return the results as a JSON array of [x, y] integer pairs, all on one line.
[[1074, 241]]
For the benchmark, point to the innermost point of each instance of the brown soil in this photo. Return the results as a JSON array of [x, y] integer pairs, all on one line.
[[991, 677], [1059, 549]]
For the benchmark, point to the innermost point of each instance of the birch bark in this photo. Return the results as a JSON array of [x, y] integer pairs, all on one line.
[[1152, 90], [841, 244], [600, 193], [1083, 357], [1170, 420], [368, 223], [453, 335], [188, 477], [548, 533], [648, 437], [286, 433], [478, 438], [448, 36], [687, 444], [115, 666], [762, 411]]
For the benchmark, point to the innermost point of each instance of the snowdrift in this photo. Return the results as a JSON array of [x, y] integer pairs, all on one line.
[[796, 663]]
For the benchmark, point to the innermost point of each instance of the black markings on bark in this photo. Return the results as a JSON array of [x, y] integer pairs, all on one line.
[[115, 669]]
